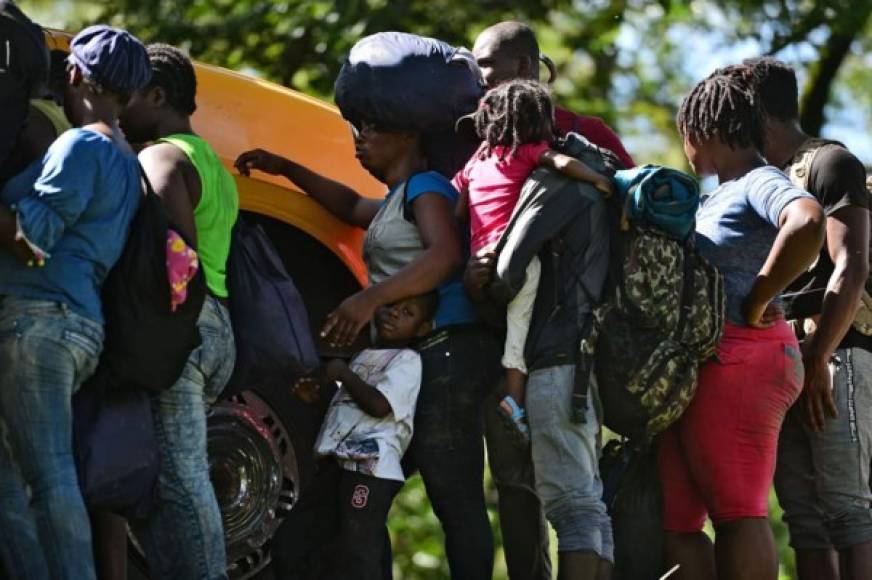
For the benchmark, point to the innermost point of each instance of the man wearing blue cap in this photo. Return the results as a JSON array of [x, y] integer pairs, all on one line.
[[63, 223]]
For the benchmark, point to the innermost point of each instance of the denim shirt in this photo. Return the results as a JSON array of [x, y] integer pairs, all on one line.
[[75, 206]]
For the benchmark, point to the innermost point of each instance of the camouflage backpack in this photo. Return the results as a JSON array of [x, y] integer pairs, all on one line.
[[799, 172], [663, 310]]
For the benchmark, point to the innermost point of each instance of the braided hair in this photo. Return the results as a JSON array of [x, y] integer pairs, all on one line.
[[514, 113], [173, 72], [725, 106]]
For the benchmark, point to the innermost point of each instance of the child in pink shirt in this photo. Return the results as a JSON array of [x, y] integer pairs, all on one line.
[[516, 124]]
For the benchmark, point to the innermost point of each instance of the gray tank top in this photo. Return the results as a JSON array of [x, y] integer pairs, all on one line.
[[392, 242]]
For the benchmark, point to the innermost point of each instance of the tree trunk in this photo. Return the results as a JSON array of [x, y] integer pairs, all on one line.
[[823, 73]]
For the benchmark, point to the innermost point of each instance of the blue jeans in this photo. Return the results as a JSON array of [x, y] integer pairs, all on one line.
[[46, 353], [566, 462], [184, 537]]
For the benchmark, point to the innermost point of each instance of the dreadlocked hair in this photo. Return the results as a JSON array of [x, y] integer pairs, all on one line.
[[512, 114], [173, 72], [725, 106]]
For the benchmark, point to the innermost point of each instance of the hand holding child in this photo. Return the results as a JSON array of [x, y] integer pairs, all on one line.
[[605, 186], [479, 271]]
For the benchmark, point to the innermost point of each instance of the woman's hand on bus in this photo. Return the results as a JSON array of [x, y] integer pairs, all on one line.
[[345, 323], [262, 161]]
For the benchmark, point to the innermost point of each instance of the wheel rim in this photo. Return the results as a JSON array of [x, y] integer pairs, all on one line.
[[254, 473]]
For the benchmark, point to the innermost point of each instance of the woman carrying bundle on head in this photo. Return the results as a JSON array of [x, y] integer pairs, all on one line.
[[413, 246]]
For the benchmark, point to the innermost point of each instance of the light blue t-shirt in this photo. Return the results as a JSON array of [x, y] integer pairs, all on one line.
[[736, 225], [75, 204]]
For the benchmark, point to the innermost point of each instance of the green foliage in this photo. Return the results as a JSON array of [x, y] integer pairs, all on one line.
[[779, 530], [417, 538], [628, 61], [298, 43]]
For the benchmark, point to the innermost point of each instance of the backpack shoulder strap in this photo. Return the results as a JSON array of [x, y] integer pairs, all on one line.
[[408, 215], [799, 167], [149, 190]]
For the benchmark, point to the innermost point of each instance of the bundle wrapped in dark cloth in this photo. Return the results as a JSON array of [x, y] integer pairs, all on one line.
[[408, 82]]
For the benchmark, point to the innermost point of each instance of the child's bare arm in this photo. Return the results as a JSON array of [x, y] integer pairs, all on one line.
[[367, 397], [572, 167]]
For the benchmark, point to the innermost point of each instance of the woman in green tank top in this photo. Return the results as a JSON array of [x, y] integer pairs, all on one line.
[[183, 537], [216, 211]]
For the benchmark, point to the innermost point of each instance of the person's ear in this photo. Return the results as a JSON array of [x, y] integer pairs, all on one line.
[[527, 69], [769, 125], [75, 77], [425, 329], [156, 97], [412, 139]]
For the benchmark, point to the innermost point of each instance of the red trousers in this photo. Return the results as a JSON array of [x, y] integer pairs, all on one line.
[[719, 458]]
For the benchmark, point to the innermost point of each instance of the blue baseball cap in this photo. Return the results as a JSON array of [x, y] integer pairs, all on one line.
[[111, 58]]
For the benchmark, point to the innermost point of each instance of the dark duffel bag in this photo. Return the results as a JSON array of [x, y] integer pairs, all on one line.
[[116, 450], [270, 322], [413, 83], [406, 81], [634, 499]]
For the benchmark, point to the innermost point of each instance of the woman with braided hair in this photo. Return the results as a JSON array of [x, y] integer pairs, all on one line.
[[760, 231], [515, 121], [183, 536]]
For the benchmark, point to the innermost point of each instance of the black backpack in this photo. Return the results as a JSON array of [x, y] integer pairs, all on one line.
[[634, 499], [145, 350], [147, 343], [274, 344]]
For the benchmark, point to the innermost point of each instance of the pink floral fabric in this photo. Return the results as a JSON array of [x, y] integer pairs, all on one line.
[[182, 266]]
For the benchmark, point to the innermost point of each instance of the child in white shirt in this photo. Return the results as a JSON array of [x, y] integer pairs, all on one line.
[[367, 430]]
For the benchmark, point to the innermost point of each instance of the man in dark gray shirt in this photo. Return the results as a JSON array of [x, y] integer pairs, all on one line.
[[825, 448]]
